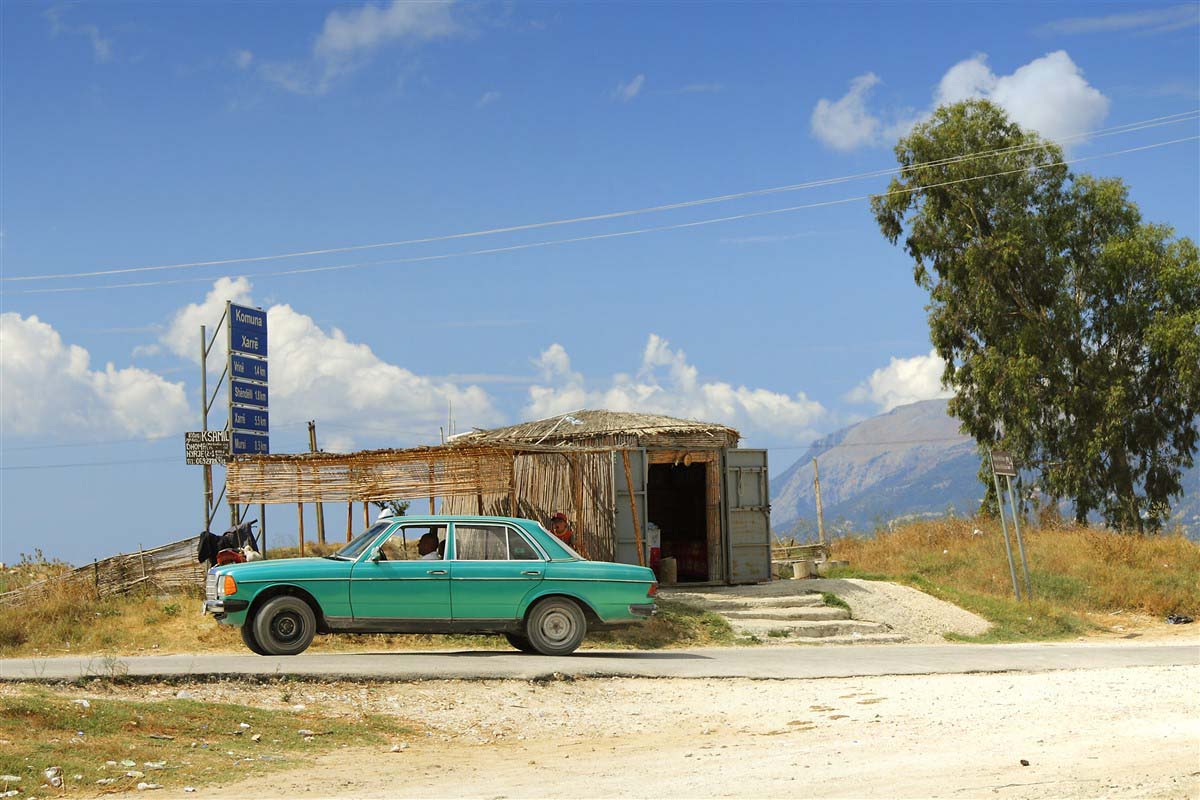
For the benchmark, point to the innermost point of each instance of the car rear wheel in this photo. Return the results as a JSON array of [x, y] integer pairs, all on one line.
[[285, 626], [556, 626], [520, 642], [249, 640]]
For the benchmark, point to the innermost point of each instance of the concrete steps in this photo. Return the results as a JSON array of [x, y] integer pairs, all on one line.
[[807, 629], [806, 613], [785, 614]]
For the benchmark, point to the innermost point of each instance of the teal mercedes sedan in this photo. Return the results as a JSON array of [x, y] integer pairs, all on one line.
[[451, 574]]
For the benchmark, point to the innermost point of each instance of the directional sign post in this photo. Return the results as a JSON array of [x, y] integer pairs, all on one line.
[[249, 419], [1003, 464]]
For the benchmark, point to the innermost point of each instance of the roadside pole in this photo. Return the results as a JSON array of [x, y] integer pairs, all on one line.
[[1020, 544], [312, 448], [1005, 464], [820, 508], [204, 425]]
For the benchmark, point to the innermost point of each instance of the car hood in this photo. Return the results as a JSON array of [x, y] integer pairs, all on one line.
[[287, 569]]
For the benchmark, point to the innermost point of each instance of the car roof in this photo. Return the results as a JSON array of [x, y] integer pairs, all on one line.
[[444, 518]]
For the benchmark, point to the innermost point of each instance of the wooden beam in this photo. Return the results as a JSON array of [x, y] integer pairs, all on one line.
[[637, 528], [712, 517], [513, 508], [577, 499], [300, 514], [349, 519]]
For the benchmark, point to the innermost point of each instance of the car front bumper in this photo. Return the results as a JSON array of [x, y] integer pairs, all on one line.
[[219, 608]]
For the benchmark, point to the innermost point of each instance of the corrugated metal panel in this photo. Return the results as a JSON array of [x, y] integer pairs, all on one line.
[[626, 541]]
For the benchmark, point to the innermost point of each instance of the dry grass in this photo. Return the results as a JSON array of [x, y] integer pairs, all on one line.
[[1075, 571]]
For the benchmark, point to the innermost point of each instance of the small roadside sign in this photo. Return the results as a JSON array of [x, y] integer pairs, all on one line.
[[248, 394], [250, 419], [250, 444], [247, 330], [206, 447], [1003, 464], [246, 368]]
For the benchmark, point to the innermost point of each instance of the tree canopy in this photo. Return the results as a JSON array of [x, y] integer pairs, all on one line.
[[1069, 327]]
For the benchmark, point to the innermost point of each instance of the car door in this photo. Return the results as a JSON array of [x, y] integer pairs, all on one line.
[[398, 584], [493, 568]]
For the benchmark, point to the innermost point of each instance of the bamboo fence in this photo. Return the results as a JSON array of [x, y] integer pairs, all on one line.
[[170, 567]]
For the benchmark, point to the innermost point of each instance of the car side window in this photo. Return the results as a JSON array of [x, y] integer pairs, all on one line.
[[405, 543], [491, 543]]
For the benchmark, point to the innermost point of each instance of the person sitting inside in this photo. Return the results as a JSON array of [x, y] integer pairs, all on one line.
[[427, 546], [561, 528]]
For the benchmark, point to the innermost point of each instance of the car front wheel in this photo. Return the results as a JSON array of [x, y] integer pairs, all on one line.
[[285, 626], [520, 642], [249, 640], [556, 626]]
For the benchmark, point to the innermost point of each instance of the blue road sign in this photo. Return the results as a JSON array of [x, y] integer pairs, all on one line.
[[251, 369], [249, 419], [248, 394], [249, 444], [247, 330]]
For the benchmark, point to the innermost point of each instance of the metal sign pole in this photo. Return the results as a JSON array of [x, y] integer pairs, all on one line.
[[1004, 527], [204, 424], [1020, 545], [233, 509]]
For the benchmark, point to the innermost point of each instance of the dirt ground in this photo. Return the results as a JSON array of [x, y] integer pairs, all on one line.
[[1132, 732]]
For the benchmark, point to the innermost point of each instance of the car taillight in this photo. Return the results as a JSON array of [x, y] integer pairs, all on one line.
[[230, 585], [652, 591]]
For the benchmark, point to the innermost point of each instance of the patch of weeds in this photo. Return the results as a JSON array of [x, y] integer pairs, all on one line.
[[172, 609], [833, 601], [778, 633], [675, 625], [170, 742]]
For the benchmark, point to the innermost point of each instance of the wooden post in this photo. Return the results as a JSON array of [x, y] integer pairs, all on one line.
[[478, 486], [366, 514], [300, 513], [142, 556], [312, 448], [349, 519], [577, 497], [712, 514], [432, 499], [262, 529], [637, 528], [513, 509], [96, 575], [820, 508]]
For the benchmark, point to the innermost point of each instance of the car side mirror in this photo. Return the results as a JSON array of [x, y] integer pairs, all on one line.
[[376, 555]]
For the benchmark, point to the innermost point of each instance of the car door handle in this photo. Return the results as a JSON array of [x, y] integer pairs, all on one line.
[[533, 573], [436, 572]]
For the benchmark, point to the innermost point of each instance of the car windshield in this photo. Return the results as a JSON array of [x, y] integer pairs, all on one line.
[[355, 547]]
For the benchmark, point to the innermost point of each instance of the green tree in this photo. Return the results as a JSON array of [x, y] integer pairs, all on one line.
[[1070, 329]]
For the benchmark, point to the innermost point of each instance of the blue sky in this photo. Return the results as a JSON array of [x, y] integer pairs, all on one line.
[[156, 134]]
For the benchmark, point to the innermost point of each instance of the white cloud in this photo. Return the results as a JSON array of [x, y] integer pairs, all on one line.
[[902, 381], [242, 59], [487, 99], [846, 124], [1151, 20], [1048, 95], [666, 383], [627, 91], [50, 388], [362, 29], [102, 46], [320, 374], [349, 37]]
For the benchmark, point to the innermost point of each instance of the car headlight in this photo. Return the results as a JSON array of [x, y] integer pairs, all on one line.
[[225, 585]]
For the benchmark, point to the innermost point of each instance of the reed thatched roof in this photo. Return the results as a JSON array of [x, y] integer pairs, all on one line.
[[579, 427]]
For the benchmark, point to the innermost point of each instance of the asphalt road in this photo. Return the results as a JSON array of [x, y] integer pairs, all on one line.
[[740, 662]]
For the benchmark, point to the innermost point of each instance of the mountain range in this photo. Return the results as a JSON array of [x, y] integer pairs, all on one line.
[[910, 462]]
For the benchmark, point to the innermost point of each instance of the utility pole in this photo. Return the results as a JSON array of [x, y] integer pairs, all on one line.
[[312, 448], [820, 508], [204, 424]]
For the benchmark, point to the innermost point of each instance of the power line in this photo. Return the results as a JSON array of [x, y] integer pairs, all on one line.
[[1131, 127], [600, 236]]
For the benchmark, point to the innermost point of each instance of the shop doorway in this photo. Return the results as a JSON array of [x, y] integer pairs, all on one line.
[[676, 505]]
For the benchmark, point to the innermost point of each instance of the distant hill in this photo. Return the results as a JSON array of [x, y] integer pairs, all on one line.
[[909, 462]]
